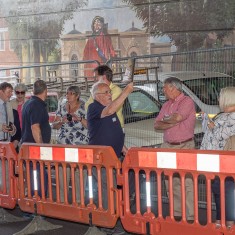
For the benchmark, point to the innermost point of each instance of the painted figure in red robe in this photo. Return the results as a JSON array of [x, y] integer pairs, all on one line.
[[98, 47]]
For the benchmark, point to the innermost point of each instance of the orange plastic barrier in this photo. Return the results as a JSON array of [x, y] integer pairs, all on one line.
[[147, 167], [8, 180], [60, 164]]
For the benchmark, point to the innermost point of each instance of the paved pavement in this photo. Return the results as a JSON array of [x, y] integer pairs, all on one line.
[[69, 228]]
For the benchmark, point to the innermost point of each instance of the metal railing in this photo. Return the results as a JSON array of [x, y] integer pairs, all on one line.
[[60, 75], [218, 60], [57, 75]]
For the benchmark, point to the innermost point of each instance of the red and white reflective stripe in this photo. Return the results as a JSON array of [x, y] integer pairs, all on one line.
[[187, 161], [210, 163], [166, 160], [61, 154]]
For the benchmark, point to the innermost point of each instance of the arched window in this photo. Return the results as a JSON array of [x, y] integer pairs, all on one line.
[[133, 54], [74, 67]]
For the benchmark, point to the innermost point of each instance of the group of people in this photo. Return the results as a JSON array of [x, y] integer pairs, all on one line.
[[177, 118], [81, 123], [90, 123]]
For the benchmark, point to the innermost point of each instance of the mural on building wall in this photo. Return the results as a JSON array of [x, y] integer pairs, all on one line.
[[39, 30], [98, 46]]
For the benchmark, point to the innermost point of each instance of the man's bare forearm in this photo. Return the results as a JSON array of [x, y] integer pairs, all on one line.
[[163, 125], [36, 131], [115, 105]]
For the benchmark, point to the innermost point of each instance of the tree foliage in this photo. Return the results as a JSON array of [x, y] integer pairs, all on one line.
[[37, 25], [186, 22]]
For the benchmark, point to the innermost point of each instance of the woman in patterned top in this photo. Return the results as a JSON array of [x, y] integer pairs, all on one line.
[[218, 131], [71, 121]]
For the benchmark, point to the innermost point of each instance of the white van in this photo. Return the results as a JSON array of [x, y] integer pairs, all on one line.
[[202, 87]]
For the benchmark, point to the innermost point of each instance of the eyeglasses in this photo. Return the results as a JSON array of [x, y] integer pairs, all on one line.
[[104, 93], [20, 92], [70, 93]]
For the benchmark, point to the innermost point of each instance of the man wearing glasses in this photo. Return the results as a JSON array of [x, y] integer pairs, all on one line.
[[103, 124], [105, 74], [104, 128], [177, 119]]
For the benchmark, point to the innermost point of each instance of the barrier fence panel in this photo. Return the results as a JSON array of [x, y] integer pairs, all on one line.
[[8, 180], [75, 183], [144, 209]]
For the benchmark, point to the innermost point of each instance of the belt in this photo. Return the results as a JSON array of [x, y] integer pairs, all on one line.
[[4, 140], [179, 143]]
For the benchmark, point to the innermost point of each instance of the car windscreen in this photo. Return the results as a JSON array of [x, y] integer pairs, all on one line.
[[208, 89], [139, 105]]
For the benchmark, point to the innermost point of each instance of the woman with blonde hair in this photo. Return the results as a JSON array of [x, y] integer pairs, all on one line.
[[218, 132]]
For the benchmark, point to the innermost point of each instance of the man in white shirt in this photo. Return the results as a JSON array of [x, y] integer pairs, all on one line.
[[7, 127]]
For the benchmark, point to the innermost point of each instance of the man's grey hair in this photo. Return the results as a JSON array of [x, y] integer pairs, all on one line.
[[21, 87], [174, 82], [95, 88]]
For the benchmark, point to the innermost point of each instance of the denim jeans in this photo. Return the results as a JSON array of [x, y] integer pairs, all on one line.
[[229, 199]]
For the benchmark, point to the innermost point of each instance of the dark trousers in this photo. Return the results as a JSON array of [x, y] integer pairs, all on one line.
[[229, 199], [103, 186]]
